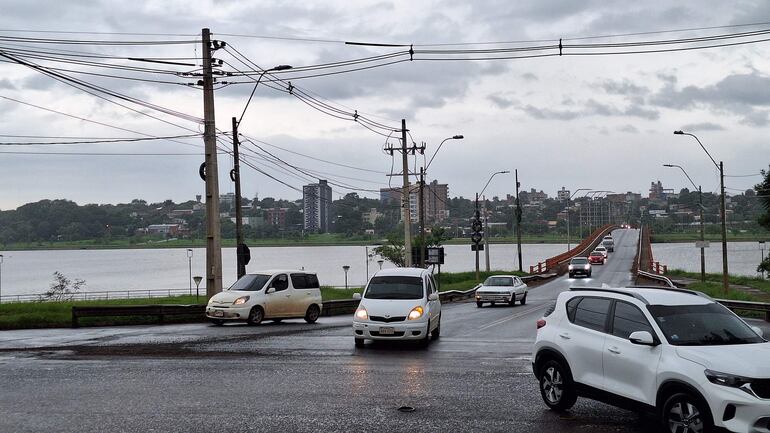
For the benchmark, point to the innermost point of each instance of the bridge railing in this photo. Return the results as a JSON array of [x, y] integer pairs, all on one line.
[[554, 264]]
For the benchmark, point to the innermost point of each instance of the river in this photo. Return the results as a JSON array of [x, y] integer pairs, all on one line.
[[27, 272]]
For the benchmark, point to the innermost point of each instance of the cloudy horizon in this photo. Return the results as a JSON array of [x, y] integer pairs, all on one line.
[[599, 122]]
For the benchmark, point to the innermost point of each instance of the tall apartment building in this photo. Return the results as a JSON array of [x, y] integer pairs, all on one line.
[[316, 202], [435, 200]]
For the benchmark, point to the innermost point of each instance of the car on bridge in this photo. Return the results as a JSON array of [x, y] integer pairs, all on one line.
[[609, 244], [597, 258], [602, 250], [673, 353], [503, 289], [579, 266], [272, 294], [398, 304]]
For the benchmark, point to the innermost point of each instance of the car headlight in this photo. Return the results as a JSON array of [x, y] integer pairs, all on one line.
[[587, 267], [362, 314], [241, 300], [731, 380], [571, 267], [416, 313]]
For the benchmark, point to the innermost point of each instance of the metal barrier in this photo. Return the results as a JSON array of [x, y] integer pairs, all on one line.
[[656, 277], [553, 263], [747, 306]]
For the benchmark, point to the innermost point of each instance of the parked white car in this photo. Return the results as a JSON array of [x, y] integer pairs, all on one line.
[[503, 289], [273, 294], [675, 353], [398, 304]]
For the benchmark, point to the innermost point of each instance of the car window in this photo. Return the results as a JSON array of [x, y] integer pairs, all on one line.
[[280, 282], [395, 287], [702, 325], [579, 261], [312, 281], [299, 281], [431, 285], [499, 281], [250, 282], [592, 313], [628, 319]]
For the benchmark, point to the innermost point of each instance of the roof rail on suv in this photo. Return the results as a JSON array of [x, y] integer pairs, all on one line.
[[617, 291], [674, 289]]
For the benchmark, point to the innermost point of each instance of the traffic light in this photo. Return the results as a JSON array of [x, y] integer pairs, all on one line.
[[476, 228]]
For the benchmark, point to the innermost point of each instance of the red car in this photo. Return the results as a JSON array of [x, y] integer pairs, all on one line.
[[596, 258]]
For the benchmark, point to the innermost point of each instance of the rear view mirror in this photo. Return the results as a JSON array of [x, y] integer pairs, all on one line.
[[643, 338], [433, 297], [357, 296], [758, 330], [269, 290]]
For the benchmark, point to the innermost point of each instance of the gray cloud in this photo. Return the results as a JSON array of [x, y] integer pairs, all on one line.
[[631, 129], [6, 84], [624, 87], [703, 126], [529, 76], [501, 101], [591, 107]]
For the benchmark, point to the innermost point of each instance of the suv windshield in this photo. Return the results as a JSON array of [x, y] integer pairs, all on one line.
[[394, 287], [498, 281], [702, 325], [579, 261], [250, 282]]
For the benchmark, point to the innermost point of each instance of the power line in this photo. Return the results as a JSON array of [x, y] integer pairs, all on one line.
[[101, 153], [100, 141]]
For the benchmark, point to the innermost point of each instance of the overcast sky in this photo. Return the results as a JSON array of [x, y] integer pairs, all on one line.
[[600, 122]]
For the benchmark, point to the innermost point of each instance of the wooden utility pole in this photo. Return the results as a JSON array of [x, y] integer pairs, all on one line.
[[235, 176], [405, 199], [518, 219], [213, 235], [422, 217], [486, 233]]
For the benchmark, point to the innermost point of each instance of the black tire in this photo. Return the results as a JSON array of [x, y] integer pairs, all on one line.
[[436, 333], [359, 342], [524, 299], [277, 320], [479, 304], [571, 275], [556, 386], [685, 412], [512, 302], [255, 316], [589, 275], [492, 304], [312, 314], [218, 322], [422, 343]]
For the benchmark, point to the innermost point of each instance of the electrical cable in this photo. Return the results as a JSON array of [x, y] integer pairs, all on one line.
[[116, 140]]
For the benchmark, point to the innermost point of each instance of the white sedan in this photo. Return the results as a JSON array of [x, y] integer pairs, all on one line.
[[504, 289]]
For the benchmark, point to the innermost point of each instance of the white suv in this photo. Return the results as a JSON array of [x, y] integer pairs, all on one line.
[[398, 304], [675, 353]]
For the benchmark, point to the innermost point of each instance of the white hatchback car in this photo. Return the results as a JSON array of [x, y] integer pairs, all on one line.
[[398, 304], [674, 353], [503, 289], [276, 295]]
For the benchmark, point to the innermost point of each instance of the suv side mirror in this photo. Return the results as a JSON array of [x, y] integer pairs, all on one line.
[[269, 290], [643, 338], [433, 297], [758, 330], [356, 296]]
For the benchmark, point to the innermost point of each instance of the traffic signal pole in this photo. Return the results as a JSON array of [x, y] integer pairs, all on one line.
[[518, 219]]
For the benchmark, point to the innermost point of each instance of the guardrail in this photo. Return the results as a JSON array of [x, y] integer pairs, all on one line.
[[159, 311], [656, 277], [747, 306]]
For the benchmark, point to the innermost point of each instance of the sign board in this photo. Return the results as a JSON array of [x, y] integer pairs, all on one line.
[[479, 247], [701, 244], [435, 256]]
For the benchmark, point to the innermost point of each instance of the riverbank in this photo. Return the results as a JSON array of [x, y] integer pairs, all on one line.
[[741, 288], [663, 238], [28, 315]]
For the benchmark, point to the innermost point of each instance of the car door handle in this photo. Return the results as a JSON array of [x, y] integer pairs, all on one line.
[[565, 336], [614, 350]]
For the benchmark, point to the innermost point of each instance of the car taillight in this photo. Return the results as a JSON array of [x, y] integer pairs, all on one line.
[[540, 323]]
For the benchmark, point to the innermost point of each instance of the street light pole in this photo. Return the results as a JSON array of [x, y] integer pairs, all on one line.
[[346, 268], [568, 205], [1, 278], [477, 209], [721, 168], [702, 230], [189, 261]]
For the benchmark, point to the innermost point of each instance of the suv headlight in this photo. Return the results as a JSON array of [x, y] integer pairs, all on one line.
[[362, 314], [416, 313], [731, 380], [241, 300]]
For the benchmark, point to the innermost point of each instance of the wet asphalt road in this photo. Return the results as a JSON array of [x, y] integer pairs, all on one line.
[[293, 377]]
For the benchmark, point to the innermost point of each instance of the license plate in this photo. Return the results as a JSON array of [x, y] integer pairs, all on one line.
[[386, 331], [219, 314]]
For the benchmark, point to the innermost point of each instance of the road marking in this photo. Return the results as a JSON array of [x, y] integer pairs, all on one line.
[[506, 319]]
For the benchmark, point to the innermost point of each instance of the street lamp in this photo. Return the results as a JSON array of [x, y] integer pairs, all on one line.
[[486, 223], [568, 201], [761, 255], [702, 232], [380, 262], [721, 168], [421, 197], [189, 261], [1, 278], [262, 74], [346, 268]]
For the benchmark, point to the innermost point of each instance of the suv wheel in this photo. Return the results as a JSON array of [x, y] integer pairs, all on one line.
[[479, 304], [524, 299], [683, 412], [556, 386], [255, 316]]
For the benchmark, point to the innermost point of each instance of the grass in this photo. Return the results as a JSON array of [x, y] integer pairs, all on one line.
[[28, 315], [467, 280], [757, 283]]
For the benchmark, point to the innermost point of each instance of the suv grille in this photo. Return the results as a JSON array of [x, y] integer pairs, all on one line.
[[387, 319], [761, 387]]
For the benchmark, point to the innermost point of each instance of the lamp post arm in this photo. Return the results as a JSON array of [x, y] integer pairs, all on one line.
[[702, 147]]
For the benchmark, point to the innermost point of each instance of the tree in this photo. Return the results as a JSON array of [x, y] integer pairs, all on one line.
[[763, 192], [62, 288], [393, 251]]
